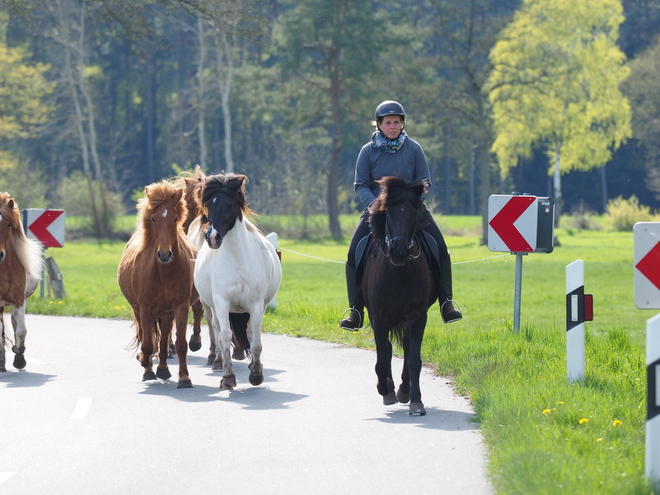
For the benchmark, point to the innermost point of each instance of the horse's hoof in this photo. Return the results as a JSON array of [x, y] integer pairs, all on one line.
[[2, 369], [416, 409], [210, 359], [228, 382], [256, 379], [185, 384], [238, 354], [389, 399], [19, 361], [402, 397], [195, 343], [148, 375], [163, 373]]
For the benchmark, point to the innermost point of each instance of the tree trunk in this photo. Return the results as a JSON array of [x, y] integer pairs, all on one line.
[[333, 175], [201, 95], [559, 200], [151, 160], [225, 55], [603, 184], [68, 67]]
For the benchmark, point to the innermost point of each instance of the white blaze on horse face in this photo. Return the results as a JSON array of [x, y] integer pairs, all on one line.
[[165, 213]]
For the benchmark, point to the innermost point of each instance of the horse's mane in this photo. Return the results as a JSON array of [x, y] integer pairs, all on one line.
[[155, 195], [190, 182], [28, 251], [394, 190], [230, 184]]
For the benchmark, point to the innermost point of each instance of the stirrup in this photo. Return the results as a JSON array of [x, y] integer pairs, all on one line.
[[452, 302], [346, 327]]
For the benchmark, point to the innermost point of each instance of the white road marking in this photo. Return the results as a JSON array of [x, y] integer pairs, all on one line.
[[5, 476], [82, 408]]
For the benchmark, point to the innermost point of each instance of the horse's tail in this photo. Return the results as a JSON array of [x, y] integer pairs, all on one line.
[[139, 336], [2, 324], [239, 324], [397, 332]]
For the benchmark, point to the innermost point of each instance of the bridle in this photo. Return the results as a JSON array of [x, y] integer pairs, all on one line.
[[389, 240]]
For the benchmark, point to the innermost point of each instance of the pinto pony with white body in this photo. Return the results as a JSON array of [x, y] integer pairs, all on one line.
[[237, 271], [21, 263]]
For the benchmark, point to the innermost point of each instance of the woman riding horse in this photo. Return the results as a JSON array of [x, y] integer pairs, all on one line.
[[392, 153]]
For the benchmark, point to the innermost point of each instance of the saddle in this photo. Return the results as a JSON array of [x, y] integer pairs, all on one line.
[[424, 239]]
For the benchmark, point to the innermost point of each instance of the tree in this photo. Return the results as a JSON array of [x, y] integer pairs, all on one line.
[[463, 34], [555, 84], [329, 51], [643, 90]]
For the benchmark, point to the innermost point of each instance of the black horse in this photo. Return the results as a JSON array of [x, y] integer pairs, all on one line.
[[398, 286]]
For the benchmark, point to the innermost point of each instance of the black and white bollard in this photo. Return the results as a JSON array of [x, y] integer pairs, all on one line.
[[579, 308], [653, 400]]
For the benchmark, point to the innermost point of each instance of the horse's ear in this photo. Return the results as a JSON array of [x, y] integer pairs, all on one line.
[[11, 205], [177, 195], [419, 190]]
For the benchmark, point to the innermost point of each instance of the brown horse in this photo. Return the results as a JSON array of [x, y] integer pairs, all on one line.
[[21, 263], [155, 275]]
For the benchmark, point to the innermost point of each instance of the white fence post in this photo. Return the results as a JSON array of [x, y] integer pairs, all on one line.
[[575, 321], [653, 400]]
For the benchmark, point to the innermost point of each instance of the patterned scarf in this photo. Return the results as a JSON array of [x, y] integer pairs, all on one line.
[[380, 141]]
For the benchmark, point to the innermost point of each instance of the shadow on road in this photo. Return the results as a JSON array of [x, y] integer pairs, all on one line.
[[24, 378], [435, 419]]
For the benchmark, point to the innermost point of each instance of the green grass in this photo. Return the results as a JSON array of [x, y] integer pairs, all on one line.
[[529, 414]]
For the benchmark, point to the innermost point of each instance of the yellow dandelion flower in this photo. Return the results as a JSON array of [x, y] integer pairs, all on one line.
[[561, 402], [599, 439], [547, 412], [60, 302], [583, 421], [616, 422]]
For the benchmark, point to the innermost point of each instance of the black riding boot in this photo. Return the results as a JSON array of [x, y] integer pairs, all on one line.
[[447, 310], [353, 321]]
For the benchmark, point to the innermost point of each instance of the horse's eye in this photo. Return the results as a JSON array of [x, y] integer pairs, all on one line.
[[153, 220]]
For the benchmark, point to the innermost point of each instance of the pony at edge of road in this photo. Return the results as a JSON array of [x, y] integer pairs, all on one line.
[[237, 271], [155, 275], [21, 264], [398, 286]]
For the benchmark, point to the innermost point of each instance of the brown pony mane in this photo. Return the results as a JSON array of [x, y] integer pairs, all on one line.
[[155, 195], [230, 184], [394, 190], [27, 250], [190, 182]]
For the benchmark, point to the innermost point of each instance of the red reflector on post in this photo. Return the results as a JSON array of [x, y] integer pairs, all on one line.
[[588, 307]]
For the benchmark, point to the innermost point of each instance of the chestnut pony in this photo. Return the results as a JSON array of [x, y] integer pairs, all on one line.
[[21, 263], [155, 275]]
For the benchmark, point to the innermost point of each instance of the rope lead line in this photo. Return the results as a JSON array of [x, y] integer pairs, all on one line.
[[343, 262]]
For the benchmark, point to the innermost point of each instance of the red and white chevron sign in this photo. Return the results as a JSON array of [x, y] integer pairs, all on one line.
[[45, 226], [512, 223], [646, 239]]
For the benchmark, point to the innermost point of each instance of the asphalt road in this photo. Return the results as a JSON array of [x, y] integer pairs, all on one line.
[[79, 420]]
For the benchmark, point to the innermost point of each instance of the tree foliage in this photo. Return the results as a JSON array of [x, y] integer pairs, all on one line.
[[284, 91], [556, 77]]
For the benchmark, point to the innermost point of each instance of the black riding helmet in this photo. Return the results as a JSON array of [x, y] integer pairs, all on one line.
[[390, 107]]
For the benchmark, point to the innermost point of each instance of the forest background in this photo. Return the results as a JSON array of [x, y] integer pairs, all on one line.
[[102, 97]]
